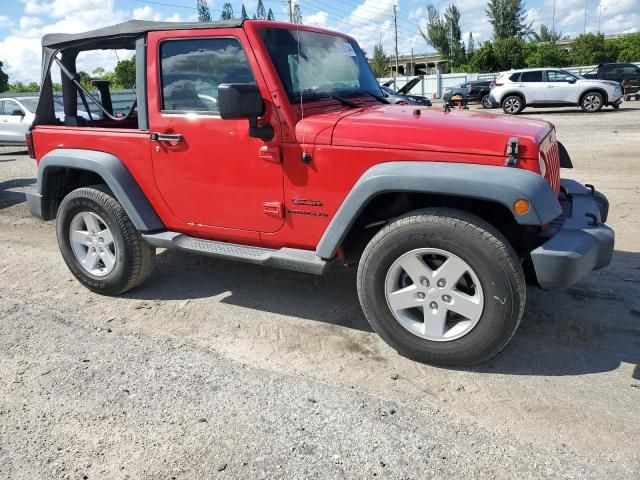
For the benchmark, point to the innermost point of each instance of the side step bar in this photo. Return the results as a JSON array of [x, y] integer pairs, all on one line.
[[286, 258]]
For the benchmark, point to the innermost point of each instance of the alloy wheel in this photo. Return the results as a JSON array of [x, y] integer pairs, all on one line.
[[434, 294], [92, 244]]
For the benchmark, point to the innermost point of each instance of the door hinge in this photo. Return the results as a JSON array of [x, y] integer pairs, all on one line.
[[273, 209], [270, 154]]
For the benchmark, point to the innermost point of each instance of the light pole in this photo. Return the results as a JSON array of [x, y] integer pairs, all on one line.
[[395, 25], [584, 30], [600, 5]]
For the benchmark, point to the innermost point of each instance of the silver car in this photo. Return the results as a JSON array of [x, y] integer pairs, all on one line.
[[16, 115], [552, 87]]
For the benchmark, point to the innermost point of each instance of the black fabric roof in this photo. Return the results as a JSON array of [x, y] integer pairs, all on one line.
[[122, 34]]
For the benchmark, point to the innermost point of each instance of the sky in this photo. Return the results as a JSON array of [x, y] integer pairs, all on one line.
[[23, 22]]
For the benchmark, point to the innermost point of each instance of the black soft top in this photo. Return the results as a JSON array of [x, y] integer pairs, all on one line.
[[122, 34]]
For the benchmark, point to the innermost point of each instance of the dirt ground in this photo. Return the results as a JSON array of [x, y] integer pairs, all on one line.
[[217, 369]]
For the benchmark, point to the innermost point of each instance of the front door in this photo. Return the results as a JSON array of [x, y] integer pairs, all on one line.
[[559, 89], [208, 170], [13, 126]]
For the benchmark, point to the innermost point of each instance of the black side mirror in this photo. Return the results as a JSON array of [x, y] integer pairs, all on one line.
[[244, 100], [571, 80], [17, 113]]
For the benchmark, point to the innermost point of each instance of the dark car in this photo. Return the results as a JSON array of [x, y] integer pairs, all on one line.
[[627, 74], [400, 97], [474, 91]]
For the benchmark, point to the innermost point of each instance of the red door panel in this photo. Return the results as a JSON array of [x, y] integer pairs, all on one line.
[[216, 176]]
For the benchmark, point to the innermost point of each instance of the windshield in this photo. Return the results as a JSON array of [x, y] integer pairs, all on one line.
[[314, 65], [29, 103]]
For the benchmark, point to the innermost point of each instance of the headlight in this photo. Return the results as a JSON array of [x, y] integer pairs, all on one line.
[[543, 165]]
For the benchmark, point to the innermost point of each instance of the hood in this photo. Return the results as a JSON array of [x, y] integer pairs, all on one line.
[[409, 85], [464, 131]]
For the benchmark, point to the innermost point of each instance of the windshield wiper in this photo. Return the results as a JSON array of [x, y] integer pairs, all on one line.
[[377, 97], [316, 95]]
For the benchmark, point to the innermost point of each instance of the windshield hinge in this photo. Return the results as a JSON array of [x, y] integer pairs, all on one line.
[[512, 152]]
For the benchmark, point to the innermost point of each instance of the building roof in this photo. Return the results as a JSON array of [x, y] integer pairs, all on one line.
[[122, 35]]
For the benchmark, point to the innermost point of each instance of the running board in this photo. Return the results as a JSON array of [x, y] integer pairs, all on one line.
[[287, 258]]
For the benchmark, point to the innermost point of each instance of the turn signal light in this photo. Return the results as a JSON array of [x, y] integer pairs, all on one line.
[[521, 206]]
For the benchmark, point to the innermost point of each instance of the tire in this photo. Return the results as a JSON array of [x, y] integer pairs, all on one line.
[[486, 102], [512, 105], [121, 260], [616, 106], [592, 102], [490, 261]]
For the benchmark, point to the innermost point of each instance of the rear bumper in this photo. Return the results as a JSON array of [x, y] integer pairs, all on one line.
[[581, 244], [494, 102]]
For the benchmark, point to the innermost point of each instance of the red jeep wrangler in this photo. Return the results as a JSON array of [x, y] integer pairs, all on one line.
[[271, 143]]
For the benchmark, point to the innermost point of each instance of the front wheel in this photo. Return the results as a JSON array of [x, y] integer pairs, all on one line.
[[513, 105], [592, 102], [443, 287], [99, 243]]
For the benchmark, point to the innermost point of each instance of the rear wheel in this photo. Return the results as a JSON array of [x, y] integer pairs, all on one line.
[[443, 287], [512, 105], [486, 102], [592, 102], [99, 243]]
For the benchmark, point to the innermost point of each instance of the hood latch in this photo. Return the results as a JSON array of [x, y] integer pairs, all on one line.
[[512, 152]]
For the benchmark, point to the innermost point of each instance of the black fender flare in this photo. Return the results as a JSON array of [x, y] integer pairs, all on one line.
[[501, 185], [114, 173]]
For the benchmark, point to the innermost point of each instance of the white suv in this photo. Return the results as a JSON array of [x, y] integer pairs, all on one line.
[[552, 87]]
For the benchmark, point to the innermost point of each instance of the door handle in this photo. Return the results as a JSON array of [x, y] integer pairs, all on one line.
[[165, 137], [549, 86]]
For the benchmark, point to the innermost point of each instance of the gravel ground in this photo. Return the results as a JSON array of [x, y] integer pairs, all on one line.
[[220, 370]]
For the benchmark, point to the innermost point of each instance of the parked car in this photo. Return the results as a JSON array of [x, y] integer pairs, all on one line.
[[552, 87], [402, 97], [299, 164], [623, 73], [16, 117], [473, 91]]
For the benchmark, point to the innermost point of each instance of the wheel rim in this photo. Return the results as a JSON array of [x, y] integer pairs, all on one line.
[[592, 102], [511, 105], [92, 244], [434, 294], [486, 103]]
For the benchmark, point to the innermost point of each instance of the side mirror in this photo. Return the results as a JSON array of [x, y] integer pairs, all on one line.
[[244, 100], [17, 113], [570, 79]]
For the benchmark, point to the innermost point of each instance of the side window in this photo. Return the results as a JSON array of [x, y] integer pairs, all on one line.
[[515, 77], [192, 69], [609, 69], [10, 106], [630, 69], [535, 76], [556, 76]]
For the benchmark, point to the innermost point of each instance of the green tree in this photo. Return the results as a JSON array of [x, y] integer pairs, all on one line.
[[4, 79], [471, 45], [204, 15], [546, 55], [484, 59], [124, 74], [509, 53], [546, 35], [227, 12], [590, 49], [297, 14], [20, 87], [244, 15], [380, 62], [270, 15], [261, 13], [628, 48], [508, 19], [443, 33]]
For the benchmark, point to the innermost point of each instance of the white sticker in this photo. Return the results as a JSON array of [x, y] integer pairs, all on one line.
[[345, 48]]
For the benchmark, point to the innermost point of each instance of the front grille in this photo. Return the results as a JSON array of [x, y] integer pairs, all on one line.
[[551, 155]]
